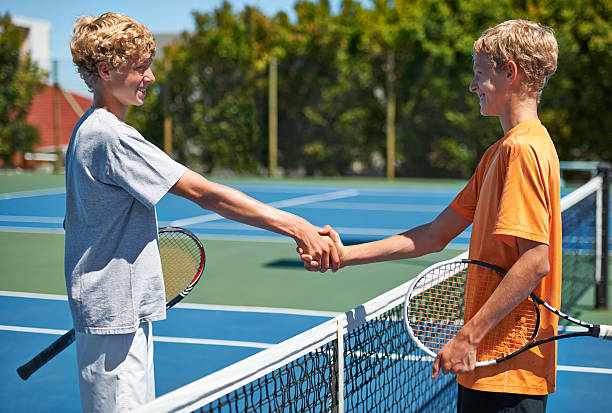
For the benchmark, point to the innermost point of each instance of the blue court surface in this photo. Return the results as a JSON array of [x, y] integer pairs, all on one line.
[[194, 342], [197, 340]]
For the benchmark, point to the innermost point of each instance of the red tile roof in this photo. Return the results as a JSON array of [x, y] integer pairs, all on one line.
[[41, 116]]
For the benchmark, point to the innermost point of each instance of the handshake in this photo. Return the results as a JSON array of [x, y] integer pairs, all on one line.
[[323, 252]]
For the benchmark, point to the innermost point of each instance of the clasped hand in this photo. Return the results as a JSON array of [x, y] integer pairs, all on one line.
[[314, 263]]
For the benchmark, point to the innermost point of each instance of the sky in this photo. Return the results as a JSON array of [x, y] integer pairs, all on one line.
[[168, 16]]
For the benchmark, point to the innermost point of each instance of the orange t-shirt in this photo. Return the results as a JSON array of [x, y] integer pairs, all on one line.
[[515, 193]]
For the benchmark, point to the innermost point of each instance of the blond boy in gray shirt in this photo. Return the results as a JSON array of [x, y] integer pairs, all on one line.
[[114, 178]]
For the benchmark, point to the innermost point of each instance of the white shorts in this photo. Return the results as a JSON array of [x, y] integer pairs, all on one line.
[[116, 371]]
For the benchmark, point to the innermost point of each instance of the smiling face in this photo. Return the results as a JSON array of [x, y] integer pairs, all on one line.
[[116, 89], [129, 83], [490, 86]]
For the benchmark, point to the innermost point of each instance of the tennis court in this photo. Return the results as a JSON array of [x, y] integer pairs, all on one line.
[[246, 267]]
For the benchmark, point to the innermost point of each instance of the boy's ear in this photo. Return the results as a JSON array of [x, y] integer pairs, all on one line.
[[512, 71], [104, 70]]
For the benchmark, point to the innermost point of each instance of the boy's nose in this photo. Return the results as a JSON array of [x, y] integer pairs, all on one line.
[[473, 86], [149, 75]]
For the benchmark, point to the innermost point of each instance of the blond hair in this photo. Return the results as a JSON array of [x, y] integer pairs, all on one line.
[[111, 38], [531, 46]]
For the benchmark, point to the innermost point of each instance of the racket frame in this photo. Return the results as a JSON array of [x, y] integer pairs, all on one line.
[[593, 330], [407, 301], [42, 358], [200, 269], [536, 302]]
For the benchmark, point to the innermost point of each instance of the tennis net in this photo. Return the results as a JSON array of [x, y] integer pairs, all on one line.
[[585, 217], [381, 370]]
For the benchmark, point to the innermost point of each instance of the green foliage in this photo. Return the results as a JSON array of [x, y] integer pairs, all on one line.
[[576, 102], [20, 79], [333, 89]]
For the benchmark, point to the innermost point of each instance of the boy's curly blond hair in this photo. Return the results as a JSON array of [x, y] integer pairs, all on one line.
[[531, 46], [111, 38]]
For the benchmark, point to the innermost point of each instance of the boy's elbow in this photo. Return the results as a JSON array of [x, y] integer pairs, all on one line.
[[438, 247], [437, 244], [543, 268], [436, 240], [542, 263]]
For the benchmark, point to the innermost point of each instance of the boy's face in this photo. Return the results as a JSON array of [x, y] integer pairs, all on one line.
[[129, 83], [489, 85]]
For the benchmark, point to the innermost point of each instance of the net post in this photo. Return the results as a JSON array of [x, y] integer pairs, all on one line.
[[601, 290], [339, 367]]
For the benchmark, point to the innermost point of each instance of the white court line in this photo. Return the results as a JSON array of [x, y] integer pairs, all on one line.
[[19, 294], [210, 342], [23, 218], [26, 194], [178, 340], [20, 329], [190, 306], [371, 206], [32, 230], [366, 189], [253, 344], [278, 204], [580, 369]]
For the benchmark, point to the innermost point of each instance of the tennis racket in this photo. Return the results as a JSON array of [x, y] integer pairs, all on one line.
[[183, 259], [440, 299]]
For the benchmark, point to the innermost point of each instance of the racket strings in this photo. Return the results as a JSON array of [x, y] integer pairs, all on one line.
[[514, 331], [181, 261], [436, 310], [450, 295]]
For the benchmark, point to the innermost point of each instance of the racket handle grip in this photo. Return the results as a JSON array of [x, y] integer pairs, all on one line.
[[605, 332], [47, 354]]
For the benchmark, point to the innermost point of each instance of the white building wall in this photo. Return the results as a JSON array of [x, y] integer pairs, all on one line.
[[38, 41]]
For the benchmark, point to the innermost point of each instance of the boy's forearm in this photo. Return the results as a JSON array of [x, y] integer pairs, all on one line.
[[416, 242], [237, 206], [410, 244], [514, 287]]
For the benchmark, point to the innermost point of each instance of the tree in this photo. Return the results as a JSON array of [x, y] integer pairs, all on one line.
[[20, 79], [216, 81], [576, 103], [341, 75]]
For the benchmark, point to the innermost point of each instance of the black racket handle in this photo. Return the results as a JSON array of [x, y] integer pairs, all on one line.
[[47, 354]]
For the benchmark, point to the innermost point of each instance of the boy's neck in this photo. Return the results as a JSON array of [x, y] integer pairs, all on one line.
[[111, 104], [518, 110]]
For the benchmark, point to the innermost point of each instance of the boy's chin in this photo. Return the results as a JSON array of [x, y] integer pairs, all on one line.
[[485, 112]]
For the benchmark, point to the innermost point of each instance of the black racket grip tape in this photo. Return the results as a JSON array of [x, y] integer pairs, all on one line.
[[47, 354]]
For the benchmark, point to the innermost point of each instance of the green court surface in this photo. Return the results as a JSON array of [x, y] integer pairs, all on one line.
[[251, 273], [266, 274], [29, 181]]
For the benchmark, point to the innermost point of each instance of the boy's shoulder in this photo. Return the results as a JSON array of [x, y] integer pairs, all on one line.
[[527, 134], [104, 125], [530, 139]]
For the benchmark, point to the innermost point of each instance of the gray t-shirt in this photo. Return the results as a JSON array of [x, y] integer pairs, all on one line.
[[114, 178]]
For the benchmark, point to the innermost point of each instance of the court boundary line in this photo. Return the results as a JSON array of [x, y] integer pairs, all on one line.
[[212, 342], [32, 230], [34, 192], [581, 369], [194, 306], [254, 344], [301, 200], [31, 219], [161, 339]]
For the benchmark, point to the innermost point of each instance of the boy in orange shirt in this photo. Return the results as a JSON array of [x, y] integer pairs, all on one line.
[[513, 202]]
